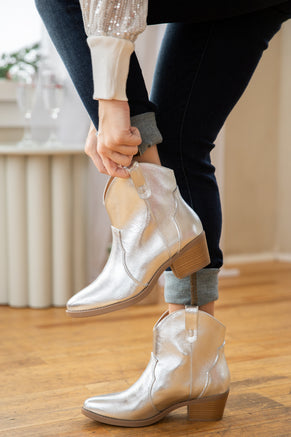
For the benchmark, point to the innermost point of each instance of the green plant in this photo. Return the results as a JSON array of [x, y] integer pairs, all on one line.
[[27, 58]]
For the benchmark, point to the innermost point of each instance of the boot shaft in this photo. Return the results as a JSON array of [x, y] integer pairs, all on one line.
[[189, 348], [150, 199]]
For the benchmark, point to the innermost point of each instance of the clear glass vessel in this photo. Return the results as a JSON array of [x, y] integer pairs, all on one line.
[[52, 92], [25, 94]]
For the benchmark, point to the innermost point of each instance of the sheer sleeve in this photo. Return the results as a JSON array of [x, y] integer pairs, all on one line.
[[112, 27]]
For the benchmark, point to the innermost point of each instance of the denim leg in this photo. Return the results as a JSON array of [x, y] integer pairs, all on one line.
[[202, 71], [179, 291], [64, 23]]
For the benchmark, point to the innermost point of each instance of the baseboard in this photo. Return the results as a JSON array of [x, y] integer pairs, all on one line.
[[284, 257], [249, 258], [257, 257], [227, 272]]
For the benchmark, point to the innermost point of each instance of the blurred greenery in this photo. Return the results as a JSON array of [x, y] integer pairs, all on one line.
[[25, 58]]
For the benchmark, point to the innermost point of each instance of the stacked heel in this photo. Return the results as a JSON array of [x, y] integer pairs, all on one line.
[[193, 257]]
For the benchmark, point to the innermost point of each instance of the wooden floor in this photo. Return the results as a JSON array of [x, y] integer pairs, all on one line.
[[50, 363]]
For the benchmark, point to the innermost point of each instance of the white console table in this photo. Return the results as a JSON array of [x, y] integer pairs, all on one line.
[[42, 224]]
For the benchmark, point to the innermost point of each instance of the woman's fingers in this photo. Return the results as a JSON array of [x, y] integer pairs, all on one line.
[[98, 162], [125, 142], [119, 159], [103, 161], [115, 170], [117, 141], [123, 149], [91, 151], [135, 137]]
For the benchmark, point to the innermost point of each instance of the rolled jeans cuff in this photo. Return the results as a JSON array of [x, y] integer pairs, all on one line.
[[178, 291], [147, 126]]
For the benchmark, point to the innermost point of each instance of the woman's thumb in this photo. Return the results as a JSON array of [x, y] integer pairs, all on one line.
[[135, 138]]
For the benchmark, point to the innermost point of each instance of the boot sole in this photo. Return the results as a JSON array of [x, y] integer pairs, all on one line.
[[206, 409], [193, 257]]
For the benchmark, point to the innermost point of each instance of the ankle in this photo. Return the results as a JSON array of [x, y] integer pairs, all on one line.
[[151, 155], [175, 307], [207, 308]]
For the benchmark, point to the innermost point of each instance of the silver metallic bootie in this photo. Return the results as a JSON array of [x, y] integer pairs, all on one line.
[[187, 368], [152, 228]]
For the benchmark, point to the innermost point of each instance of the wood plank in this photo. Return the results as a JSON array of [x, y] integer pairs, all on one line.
[[50, 363]]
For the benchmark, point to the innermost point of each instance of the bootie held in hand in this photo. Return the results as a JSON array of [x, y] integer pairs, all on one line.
[[187, 368], [152, 229]]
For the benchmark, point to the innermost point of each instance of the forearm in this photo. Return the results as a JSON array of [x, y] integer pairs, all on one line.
[[112, 28]]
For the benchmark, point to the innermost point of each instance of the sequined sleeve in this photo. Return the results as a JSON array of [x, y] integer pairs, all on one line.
[[112, 27]]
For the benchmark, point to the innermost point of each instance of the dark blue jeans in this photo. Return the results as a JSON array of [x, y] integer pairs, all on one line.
[[202, 70]]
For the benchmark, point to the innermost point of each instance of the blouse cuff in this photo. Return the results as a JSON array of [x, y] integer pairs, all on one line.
[[110, 63]]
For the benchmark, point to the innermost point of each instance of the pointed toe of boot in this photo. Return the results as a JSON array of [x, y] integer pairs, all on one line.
[[95, 405], [74, 304], [98, 408], [82, 303]]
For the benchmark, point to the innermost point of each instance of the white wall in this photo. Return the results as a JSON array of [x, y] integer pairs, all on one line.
[[257, 211], [283, 206], [19, 24]]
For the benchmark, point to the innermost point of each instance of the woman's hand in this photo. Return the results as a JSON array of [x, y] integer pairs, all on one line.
[[117, 140], [91, 149]]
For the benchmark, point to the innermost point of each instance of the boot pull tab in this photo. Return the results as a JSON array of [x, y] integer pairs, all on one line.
[[139, 181], [191, 323]]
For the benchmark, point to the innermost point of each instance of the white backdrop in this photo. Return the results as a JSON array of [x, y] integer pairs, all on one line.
[[19, 25]]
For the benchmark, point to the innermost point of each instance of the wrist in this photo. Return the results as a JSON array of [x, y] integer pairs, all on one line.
[[104, 103], [114, 112]]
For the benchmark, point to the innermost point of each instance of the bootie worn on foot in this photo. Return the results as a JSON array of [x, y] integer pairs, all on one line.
[[187, 368], [152, 228]]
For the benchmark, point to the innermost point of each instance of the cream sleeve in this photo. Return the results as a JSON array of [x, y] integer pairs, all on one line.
[[112, 27]]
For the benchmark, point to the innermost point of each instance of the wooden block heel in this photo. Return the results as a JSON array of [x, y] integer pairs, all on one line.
[[192, 258], [207, 409]]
